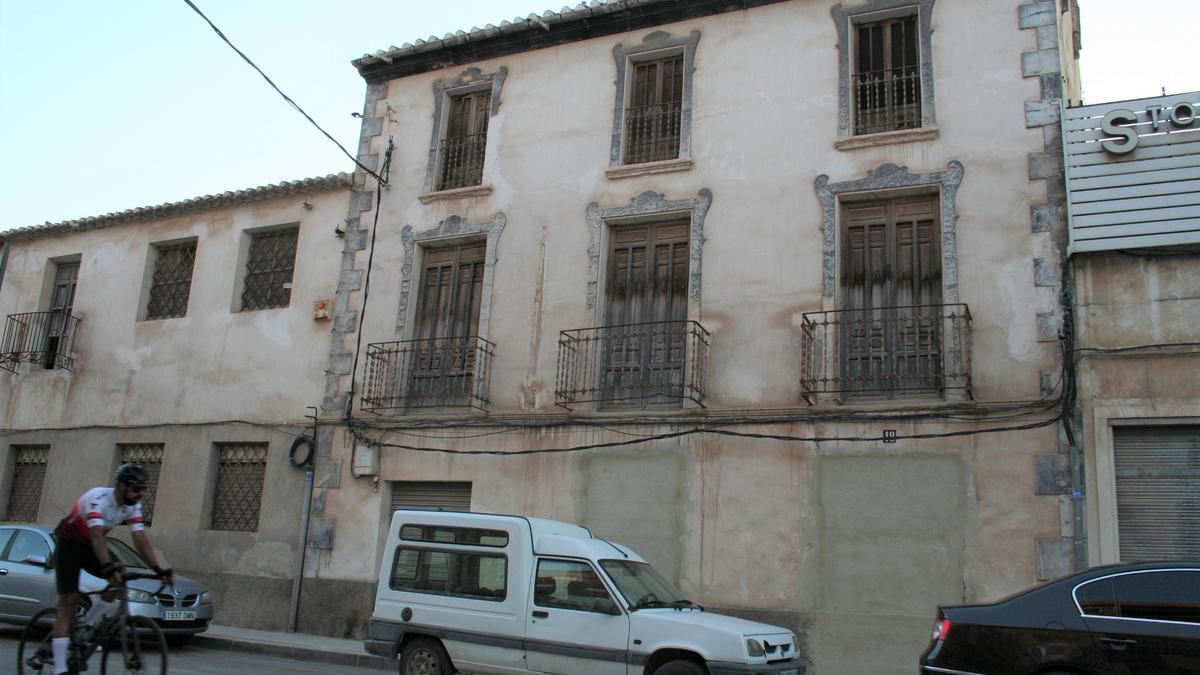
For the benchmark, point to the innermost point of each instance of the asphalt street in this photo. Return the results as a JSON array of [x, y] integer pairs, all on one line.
[[190, 660]]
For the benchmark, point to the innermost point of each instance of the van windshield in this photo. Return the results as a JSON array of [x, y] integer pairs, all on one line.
[[642, 586]]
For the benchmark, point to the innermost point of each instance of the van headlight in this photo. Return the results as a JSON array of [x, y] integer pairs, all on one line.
[[755, 648], [135, 595]]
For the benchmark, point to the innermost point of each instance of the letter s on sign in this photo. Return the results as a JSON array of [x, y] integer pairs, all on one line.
[[1109, 127]]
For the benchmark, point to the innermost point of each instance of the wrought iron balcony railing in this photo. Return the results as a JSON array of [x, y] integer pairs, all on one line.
[[652, 132], [887, 100], [461, 161], [886, 352], [434, 373], [633, 365], [45, 338]]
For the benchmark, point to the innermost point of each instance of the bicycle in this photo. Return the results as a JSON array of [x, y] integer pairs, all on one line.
[[143, 647]]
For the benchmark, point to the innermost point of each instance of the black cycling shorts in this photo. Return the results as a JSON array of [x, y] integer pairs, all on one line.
[[72, 557]]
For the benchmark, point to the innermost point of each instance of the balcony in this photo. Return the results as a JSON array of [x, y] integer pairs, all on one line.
[[887, 352], [887, 100], [44, 338], [652, 132], [632, 366], [435, 373], [461, 161]]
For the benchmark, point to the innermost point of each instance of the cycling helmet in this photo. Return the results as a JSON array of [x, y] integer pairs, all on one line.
[[132, 475]]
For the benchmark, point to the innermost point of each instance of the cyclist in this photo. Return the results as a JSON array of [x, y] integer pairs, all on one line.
[[81, 545]]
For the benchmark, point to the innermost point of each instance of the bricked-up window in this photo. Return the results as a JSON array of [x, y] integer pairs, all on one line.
[[150, 456], [237, 496], [461, 151], [172, 281], [654, 117], [29, 473], [269, 267], [887, 76]]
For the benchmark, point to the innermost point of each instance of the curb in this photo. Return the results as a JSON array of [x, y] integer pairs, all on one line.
[[338, 658]]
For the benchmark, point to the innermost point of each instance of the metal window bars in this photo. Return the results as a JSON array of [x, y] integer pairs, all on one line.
[[29, 473], [237, 498], [634, 365], [269, 267], [461, 161], [886, 351], [652, 132], [887, 100], [430, 373], [150, 457], [171, 283], [45, 338]]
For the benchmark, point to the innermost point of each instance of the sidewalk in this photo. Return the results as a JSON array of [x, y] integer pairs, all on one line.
[[292, 645]]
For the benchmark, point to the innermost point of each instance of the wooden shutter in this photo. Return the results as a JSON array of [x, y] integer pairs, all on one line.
[[1158, 492], [66, 278], [451, 496], [647, 274], [451, 292]]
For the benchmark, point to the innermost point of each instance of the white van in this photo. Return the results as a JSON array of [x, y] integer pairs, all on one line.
[[487, 593]]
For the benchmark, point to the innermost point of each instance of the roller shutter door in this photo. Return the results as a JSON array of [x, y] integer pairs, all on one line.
[[1158, 492], [449, 496]]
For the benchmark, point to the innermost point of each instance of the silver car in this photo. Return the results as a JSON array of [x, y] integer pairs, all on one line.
[[27, 584]]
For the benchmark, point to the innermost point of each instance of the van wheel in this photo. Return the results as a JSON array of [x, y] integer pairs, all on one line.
[[680, 667], [424, 656]]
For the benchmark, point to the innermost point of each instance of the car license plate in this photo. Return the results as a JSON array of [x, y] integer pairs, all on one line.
[[177, 615]]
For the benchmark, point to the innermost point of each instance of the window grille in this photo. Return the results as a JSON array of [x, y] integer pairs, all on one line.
[[29, 473], [172, 280], [269, 268], [237, 499], [463, 148], [654, 118], [431, 494], [887, 76], [150, 457]]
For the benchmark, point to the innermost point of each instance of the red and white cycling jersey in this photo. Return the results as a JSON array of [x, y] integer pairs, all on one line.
[[99, 506]]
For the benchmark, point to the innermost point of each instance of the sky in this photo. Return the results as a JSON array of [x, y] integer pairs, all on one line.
[[107, 105]]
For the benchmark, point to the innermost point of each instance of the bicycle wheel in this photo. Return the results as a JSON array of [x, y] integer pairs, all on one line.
[[34, 656], [142, 649]]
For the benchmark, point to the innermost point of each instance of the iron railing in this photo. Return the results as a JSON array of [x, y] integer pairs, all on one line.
[[885, 352], [652, 132], [45, 338], [432, 373], [634, 365], [887, 100], [461, 161]]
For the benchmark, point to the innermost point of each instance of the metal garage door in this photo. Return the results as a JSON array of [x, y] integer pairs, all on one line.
[[431, 494], [1158, 492]]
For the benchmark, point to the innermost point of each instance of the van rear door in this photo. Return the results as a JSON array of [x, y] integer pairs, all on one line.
[[574, 625]]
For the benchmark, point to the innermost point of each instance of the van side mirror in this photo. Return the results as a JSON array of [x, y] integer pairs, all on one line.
[[39, 560], [605, 606]]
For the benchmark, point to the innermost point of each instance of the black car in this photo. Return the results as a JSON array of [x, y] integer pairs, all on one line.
[[1119, 619]]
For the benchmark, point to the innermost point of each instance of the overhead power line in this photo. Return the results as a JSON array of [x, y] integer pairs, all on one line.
[[382, 181]]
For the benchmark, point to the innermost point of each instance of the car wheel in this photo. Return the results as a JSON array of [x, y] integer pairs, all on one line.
[[425, 656], [680, 667]]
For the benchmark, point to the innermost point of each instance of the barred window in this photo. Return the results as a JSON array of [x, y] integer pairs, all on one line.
[[150, 457], [887, 76], [29, 473], [172, 280], [653, 120], [462, 150], [269, 267], [237, 496]]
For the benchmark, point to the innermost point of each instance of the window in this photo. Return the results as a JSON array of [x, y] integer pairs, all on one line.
[[172, 280], [885, 70], [269, 266], [887, 76], [569, 584], [891, 286], [454, 535], [237, 497], [150, 456], [463, 573], [28, 543], [1097, 598], [448, 496], [29, 473], [441, 368], [652, 120], [1171, 595], [60, 325], [461, 151]]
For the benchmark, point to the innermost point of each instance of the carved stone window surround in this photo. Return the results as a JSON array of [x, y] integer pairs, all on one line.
[[471, 79], [658, 44]]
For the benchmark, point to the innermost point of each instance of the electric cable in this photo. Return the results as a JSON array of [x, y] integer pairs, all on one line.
[[287, 98]]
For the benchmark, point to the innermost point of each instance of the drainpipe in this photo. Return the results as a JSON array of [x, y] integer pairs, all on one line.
[[3, 263]]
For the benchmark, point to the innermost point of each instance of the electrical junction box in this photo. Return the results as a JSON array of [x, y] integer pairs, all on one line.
[[366, 461]]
